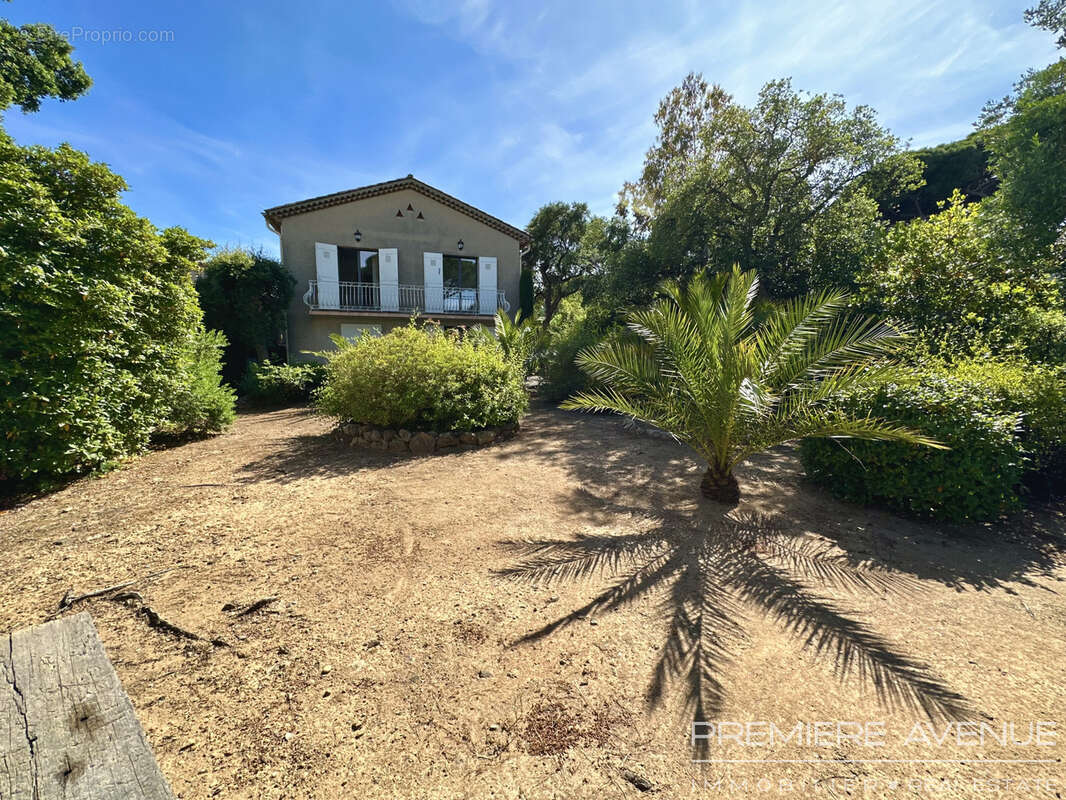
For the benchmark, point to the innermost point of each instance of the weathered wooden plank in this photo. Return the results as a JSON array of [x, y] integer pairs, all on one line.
[[67, 727]]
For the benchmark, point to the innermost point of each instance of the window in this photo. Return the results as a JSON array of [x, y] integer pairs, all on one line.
[[355, 330], [357, 266], [460, 284], [460, 272]]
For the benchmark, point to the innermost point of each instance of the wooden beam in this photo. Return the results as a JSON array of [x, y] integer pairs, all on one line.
[[67, 728]]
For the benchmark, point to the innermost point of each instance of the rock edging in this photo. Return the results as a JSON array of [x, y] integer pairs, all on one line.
[[420, 443]]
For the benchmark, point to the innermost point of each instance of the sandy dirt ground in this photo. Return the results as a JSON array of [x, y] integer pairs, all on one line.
[[411, 653]]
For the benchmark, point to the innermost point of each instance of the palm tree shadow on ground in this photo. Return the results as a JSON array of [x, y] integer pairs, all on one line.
[[707, 575]]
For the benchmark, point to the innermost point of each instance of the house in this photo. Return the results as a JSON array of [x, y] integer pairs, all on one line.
[[367, 259]]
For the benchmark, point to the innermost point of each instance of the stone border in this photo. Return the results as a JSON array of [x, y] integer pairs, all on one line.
[[420, 443]]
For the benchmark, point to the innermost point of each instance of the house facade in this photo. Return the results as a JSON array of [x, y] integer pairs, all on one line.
[[367, 259]]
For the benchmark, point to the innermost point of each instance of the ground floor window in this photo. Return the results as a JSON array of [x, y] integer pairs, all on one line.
[[355, 330]]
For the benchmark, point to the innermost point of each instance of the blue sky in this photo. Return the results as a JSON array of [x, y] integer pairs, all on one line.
[[506, 106]]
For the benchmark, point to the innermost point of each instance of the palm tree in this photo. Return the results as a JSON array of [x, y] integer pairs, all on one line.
[[698, 365]]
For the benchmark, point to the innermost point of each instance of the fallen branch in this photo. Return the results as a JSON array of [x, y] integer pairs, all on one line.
[[69, 599], [251, 608]]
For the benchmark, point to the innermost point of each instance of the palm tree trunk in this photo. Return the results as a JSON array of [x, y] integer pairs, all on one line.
[[721, 486]]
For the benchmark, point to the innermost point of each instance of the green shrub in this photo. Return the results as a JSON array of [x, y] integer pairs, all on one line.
[[422, 379], [201, 403], [282, 384], [1037, 393], [96, 310], [1043, 336], [977, 478], [1004, 420], [244, 294], [571, 330], [950, 278]]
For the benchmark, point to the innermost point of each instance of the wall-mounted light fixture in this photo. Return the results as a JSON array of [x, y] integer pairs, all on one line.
[[358, 235], [460, 244]]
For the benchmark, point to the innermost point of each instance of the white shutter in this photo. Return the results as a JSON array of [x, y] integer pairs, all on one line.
[[433, 282], [326, 272], [486, 285], [389, 279]]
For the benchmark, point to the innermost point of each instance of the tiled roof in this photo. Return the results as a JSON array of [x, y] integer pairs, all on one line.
[[277, 213]]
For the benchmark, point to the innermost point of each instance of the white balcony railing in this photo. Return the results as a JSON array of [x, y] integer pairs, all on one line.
[[406, 298]]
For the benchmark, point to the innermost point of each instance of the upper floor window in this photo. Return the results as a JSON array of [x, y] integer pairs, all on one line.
[[460, 272], [355, 265]]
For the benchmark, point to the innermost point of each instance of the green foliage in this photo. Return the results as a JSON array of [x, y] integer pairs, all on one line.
[[35, 63], [556, 256], [201, 402], [727, 184], [1042, 336], [1004, 420], [1051, 16], [571, 331], [961, 165], [950, 278], [976, 479], [520, 340], [1036, 393], [422, 379], [282, 384], [245, 295], [1026, 133], [96, 308], [699, 366], [526, 293]]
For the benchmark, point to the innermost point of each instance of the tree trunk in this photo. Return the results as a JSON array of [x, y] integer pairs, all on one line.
[[721, 486]]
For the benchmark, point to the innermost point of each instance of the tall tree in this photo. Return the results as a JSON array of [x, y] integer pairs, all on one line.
[[1026, 134], [245, 295], [1051, 16], [557, 257], [35, 63], [783, 187]]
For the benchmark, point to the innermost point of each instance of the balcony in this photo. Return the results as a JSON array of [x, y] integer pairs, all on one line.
[[330, 296]]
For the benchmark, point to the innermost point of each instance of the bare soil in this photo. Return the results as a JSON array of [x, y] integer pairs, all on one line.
[[400, 660]]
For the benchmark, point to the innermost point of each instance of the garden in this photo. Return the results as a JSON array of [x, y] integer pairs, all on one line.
[[758, 442]]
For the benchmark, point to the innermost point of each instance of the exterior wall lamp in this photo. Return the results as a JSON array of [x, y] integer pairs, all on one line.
[[358, 235], [460, 244]]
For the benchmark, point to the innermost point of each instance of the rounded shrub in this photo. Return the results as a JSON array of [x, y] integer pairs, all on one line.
[[1005, 421], [422, 378], [269, 384], [978, 478]]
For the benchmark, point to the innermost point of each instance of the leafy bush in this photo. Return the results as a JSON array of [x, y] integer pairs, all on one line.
[[1003, 420], [950, 278], [422, 379], [571, 330], [282, 384], [1037, 393], [1042, 336], [201, 403], [245, 295], [96, 309]]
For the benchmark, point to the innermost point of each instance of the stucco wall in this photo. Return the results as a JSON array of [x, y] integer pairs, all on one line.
[[375, 217]]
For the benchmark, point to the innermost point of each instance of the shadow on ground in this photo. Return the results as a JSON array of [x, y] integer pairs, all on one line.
[[707, 567]]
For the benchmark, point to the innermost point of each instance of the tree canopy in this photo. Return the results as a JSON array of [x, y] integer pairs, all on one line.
[[245, 295], [35, 63], [784, 187], [557, 256]]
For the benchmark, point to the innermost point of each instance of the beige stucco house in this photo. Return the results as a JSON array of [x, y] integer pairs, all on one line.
[[367, 259]]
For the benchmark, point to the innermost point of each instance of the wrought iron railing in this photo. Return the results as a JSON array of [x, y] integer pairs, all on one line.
[[348, 296]]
